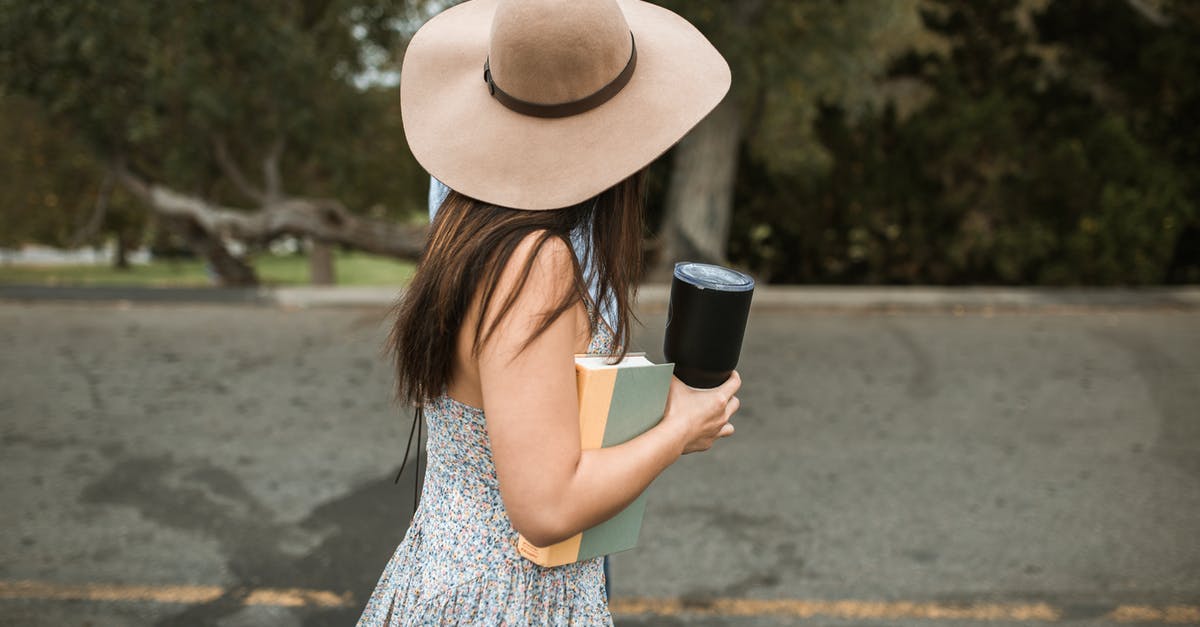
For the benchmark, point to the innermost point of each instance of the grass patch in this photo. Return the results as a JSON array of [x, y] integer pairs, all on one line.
[[351, 268]]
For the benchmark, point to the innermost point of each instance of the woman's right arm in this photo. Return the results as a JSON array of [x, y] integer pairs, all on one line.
[[552, 489], [610, 478]]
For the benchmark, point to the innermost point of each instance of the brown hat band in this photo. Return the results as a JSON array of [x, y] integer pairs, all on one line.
[[564, 109]]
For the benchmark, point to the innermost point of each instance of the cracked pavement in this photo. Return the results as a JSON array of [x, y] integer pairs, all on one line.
[[1023, 457]]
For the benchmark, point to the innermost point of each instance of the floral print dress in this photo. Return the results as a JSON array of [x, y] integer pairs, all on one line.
[[458, 563]]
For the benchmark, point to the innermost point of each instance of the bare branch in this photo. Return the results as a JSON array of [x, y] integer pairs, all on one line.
[[200, 237], [99, 210], [320, 218], [1150, 10], [230, 167], [132, 183], [271, 179]]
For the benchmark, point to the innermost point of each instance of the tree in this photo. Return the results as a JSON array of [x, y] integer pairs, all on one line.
[[786, 57], [1138, 61], [1057, 145], [174, 99]]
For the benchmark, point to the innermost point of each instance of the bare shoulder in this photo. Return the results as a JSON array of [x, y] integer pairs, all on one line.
[[531, 284], [542, 267], [536, 279], [552, 255]]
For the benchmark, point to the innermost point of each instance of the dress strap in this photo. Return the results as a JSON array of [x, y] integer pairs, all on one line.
[[418, 425]]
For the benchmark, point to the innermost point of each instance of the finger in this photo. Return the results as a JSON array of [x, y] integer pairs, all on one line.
[[725, 431], [731, 408], [731, 385]]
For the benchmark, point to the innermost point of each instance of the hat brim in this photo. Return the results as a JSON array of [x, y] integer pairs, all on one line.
[[477, 146]]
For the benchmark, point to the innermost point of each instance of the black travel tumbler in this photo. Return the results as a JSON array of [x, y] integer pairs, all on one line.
[[706, 320]]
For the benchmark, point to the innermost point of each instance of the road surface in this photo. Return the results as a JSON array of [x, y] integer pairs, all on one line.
[[230, 464]]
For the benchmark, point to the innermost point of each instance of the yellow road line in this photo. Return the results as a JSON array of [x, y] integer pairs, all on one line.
[[627, 606], [850, 609], [1150, 614], [187, 595], [894, 610]]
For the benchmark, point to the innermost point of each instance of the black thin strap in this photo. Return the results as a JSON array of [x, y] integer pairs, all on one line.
[[417, 475], [418, 425], [563, 109]]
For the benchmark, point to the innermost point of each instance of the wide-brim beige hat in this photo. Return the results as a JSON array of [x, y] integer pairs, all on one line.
[[577, 95]]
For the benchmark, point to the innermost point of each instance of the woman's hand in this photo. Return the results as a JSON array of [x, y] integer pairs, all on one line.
[[701, 416]]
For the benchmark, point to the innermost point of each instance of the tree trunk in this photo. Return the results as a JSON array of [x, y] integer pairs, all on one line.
[[320, 263], [121, 253], [319, 218], [229, 270], [206, 225], [700, 195]]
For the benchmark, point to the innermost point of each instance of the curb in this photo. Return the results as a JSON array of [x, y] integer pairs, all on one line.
[[147, 295], [654, 297]]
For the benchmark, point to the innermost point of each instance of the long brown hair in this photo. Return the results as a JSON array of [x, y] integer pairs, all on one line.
[[469, 245]]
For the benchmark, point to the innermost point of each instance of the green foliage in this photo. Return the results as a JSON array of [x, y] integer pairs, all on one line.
[[51, 183], [787, 57], [1018, 170], [41, 198], [1050, 142], [155, 85]]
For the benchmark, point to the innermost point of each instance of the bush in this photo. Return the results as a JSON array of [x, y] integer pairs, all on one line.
[[1013, 173]]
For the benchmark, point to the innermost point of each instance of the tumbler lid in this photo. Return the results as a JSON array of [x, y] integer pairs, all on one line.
[[707, 276]]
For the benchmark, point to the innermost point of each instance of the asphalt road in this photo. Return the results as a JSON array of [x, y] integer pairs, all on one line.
[[232, 465]]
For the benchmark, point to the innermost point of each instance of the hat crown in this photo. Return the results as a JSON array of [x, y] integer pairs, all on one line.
[[557, 51]]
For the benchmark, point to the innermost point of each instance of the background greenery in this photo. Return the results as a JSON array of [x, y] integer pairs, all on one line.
[[1055, 145], [1045, 142]]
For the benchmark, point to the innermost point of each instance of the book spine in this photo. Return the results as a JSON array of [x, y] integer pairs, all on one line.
[[595, 399], [558, 554]]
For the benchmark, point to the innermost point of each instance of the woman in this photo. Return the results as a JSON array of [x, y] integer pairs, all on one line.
[[581, 243], [576, 99]]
